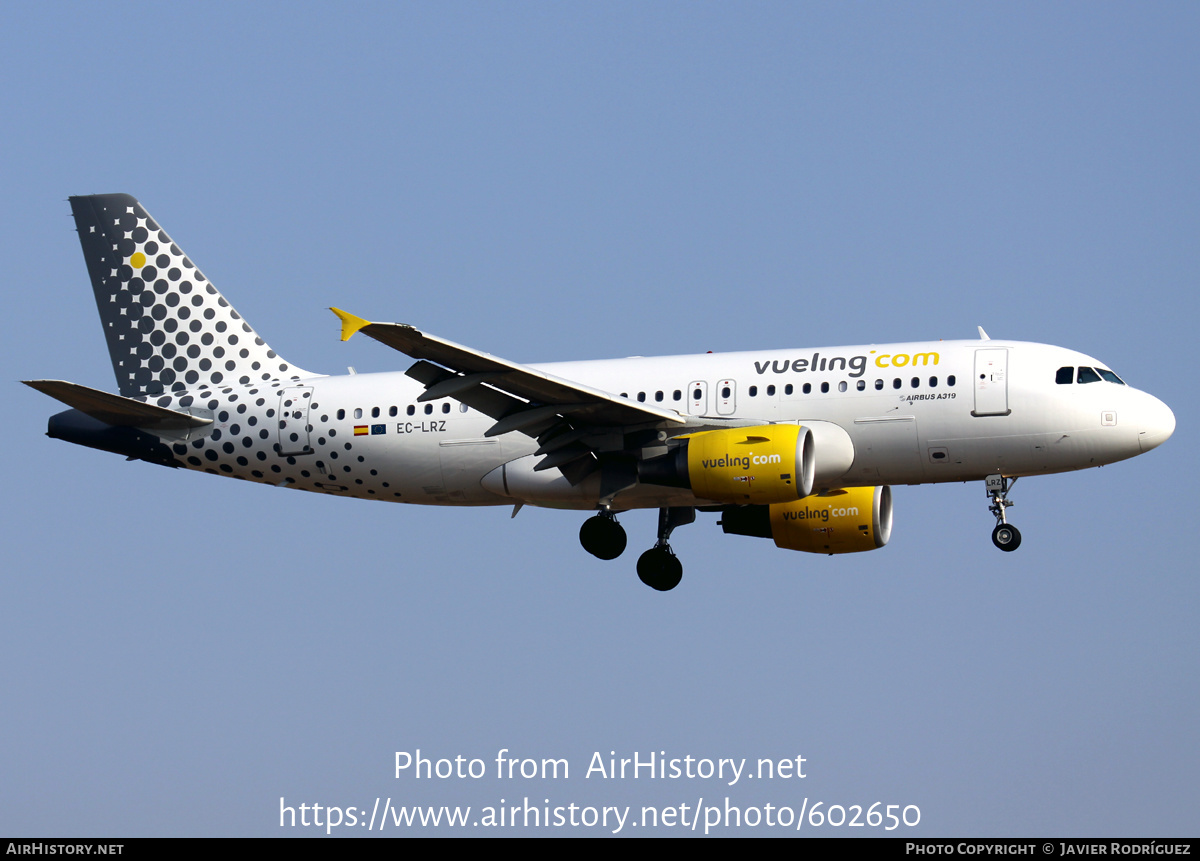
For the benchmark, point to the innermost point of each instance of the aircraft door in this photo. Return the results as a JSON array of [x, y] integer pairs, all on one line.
[[294, 403], [991, 383], [698, 398], [726, 397]]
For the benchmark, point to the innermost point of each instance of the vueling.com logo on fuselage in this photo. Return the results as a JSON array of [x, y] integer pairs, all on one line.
[[855, 365], [744, 462], [822, 514]]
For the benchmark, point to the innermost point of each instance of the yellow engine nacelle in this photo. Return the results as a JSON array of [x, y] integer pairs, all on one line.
[[745, 466], [840, 521]]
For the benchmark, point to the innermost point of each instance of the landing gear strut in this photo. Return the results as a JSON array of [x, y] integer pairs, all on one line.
[[1005, 536], [602, 536], [657, 567]]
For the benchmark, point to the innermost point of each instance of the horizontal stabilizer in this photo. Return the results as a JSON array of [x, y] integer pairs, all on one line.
[[114, 409]]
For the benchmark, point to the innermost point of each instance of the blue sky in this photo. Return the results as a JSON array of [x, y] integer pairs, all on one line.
[[561, 181]]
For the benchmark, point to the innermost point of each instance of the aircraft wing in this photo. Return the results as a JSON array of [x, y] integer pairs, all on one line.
[[575, 425], [452, 370]]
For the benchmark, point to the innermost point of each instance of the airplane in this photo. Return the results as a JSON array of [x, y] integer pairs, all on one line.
[[798, 445]]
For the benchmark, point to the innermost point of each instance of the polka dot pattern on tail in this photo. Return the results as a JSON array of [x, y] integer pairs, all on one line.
[[167, 327]]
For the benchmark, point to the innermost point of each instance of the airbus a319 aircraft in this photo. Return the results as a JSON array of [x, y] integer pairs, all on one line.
[[797, 445]]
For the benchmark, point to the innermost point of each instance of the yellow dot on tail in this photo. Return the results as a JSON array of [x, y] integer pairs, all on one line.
[[138, 260]]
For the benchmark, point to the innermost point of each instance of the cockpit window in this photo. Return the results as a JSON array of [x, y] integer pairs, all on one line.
[[1064, 376], [1087, 375], [1110, 376]]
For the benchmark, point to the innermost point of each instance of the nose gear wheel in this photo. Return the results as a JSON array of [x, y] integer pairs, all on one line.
[[1005, 536]]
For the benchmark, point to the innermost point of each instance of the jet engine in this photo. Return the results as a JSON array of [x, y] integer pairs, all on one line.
[[754, 465], [838, 521]]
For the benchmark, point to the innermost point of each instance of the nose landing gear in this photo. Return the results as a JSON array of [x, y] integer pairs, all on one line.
[[1005, 536]]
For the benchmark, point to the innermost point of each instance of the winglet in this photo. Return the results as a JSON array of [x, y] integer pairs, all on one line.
[[983, 336], [350, 323]]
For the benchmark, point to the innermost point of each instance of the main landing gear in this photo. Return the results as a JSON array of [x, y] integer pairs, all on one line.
[[658, 567], [1005, 536], [602, 536]]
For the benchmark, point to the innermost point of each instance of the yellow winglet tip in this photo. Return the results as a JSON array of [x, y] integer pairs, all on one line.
[[350, 323]]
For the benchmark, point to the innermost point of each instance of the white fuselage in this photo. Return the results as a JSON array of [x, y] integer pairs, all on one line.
[[913, 413]]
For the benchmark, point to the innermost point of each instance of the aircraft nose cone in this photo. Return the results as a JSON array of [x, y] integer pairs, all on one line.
[[1157, 424]]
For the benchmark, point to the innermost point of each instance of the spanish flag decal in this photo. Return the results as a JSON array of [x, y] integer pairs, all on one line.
[[361, 430]]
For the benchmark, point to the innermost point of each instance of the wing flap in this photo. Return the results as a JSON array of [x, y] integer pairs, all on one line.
[[488, 401]]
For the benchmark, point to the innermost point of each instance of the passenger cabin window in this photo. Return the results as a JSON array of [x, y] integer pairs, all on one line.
[[374, 412], [807, 388], [824, 388], [861, 385], [842, 386], [392, 411], [358, 412], [896, 383], [878, 385], [787, 390], [411, 410], [1065, 376], [677, 395], [950, 380], [754, 391], [770, 391], [658, 396], [641, 397], [1087, 375]]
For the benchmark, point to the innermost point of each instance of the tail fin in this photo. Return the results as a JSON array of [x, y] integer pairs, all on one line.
[[168, 329]]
